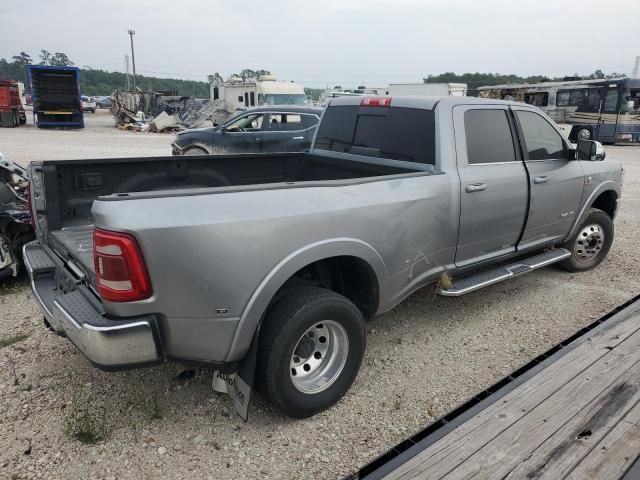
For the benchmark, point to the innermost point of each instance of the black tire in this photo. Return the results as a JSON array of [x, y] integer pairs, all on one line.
[[588, 256], [299, 311], [195, 151]]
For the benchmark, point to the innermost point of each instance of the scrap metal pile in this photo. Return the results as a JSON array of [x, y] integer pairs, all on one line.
[[162, 112]]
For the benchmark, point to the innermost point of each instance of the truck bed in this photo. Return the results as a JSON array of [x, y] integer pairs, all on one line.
[[77, 242], [71, 186]]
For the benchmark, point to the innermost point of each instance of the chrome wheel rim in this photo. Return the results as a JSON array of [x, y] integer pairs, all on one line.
[[589, 242], [584, 134], [319, 357]]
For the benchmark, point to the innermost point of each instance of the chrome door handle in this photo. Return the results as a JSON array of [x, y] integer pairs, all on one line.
[[540, 179], [297, 138], [476, 187]]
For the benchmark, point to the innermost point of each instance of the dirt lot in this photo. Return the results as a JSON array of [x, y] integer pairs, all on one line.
[[423, 358]]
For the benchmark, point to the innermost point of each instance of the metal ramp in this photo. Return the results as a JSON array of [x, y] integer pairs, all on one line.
[[496, 275]]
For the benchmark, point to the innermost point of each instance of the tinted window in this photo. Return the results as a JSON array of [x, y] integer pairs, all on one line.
[[562, 98], [542, 140], [285, 121], [395, 133], [538, 99], [611, 101], [488, 136]]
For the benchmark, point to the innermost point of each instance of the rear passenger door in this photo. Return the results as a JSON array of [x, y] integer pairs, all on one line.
[[556, 180], [288, 132], [493, 183]]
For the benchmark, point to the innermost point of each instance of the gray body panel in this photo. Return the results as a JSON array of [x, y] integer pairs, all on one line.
[[217, 256]]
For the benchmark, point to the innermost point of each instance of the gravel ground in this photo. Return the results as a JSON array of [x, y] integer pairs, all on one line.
[[422, 360]]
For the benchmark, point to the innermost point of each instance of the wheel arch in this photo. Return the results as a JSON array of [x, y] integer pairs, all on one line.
[[606, 195], [362, 255]]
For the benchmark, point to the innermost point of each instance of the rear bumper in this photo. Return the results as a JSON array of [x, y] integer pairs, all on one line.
[[106, 342]]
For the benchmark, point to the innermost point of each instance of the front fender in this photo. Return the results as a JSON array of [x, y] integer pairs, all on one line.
[[584, 211], [253, 312]]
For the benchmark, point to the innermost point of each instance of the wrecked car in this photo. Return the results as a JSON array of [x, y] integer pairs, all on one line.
[[15, 226], [261, 129]]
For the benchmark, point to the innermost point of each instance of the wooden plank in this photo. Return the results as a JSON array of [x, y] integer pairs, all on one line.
[[615, 453], [565, 449], [453, 449], [498, 456]]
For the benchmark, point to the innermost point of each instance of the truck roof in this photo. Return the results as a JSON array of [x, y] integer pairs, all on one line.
[[426, 103]]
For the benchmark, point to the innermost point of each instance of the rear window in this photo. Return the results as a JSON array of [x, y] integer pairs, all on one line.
[[406, 134]]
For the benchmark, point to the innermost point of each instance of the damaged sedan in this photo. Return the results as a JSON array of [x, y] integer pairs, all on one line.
[[261, 129]]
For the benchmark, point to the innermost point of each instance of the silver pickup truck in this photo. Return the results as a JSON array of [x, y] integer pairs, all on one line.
[[267, 267]]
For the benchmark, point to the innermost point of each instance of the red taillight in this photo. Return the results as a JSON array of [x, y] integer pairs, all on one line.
[[121, 274], [375, 102]]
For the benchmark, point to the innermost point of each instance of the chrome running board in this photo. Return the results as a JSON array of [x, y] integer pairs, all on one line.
[[500, 274]]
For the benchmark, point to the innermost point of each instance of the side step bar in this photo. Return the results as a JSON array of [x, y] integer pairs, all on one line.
[[520, 267]]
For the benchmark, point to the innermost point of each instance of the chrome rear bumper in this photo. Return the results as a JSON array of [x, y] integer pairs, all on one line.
[[106, 342]]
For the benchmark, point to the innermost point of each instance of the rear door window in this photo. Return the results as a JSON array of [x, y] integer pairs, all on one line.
[[406, 134], [285, 121], [488, 135]]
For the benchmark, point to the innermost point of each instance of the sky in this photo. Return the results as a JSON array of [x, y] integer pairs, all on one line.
[[329, 42]]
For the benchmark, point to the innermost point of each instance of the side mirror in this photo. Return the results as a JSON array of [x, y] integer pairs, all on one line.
[[590, 150]]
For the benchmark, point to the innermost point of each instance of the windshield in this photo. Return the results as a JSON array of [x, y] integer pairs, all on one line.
[[285, 99]]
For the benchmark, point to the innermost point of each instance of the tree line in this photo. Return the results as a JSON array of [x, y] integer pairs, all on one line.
[[101, 82], [98, 82]]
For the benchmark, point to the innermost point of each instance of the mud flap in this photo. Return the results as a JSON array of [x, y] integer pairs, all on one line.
[[238, 385]]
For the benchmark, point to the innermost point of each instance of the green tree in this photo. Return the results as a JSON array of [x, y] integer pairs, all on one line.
[[60, 59], [45, 57], [23, 59]]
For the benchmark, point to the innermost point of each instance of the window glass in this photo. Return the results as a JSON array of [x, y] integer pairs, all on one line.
[[611, 101], [247, 122], [542, 140], [285, 121], [537, 99], [576, 97], [594, 100], [395, 133], [488, 136], [562, 98]]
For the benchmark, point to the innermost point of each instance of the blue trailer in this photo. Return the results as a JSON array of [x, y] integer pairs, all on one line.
[[56, 96]]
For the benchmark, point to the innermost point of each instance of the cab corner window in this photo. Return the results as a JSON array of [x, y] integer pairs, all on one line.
[[542, 141], [488, 135]]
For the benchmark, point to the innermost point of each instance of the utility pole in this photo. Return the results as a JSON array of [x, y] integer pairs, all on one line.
[[126, 63], [133, 58], [636, 67]]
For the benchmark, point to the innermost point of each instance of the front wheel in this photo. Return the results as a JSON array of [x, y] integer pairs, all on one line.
[[583, 133], [591, 242], [310, 350]]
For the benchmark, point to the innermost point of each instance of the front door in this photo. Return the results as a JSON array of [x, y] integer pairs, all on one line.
[[556, 180], [608, 114], [493, 183], [243, 135]]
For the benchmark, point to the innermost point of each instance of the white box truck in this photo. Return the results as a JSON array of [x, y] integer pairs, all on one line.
[[428, 89]]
